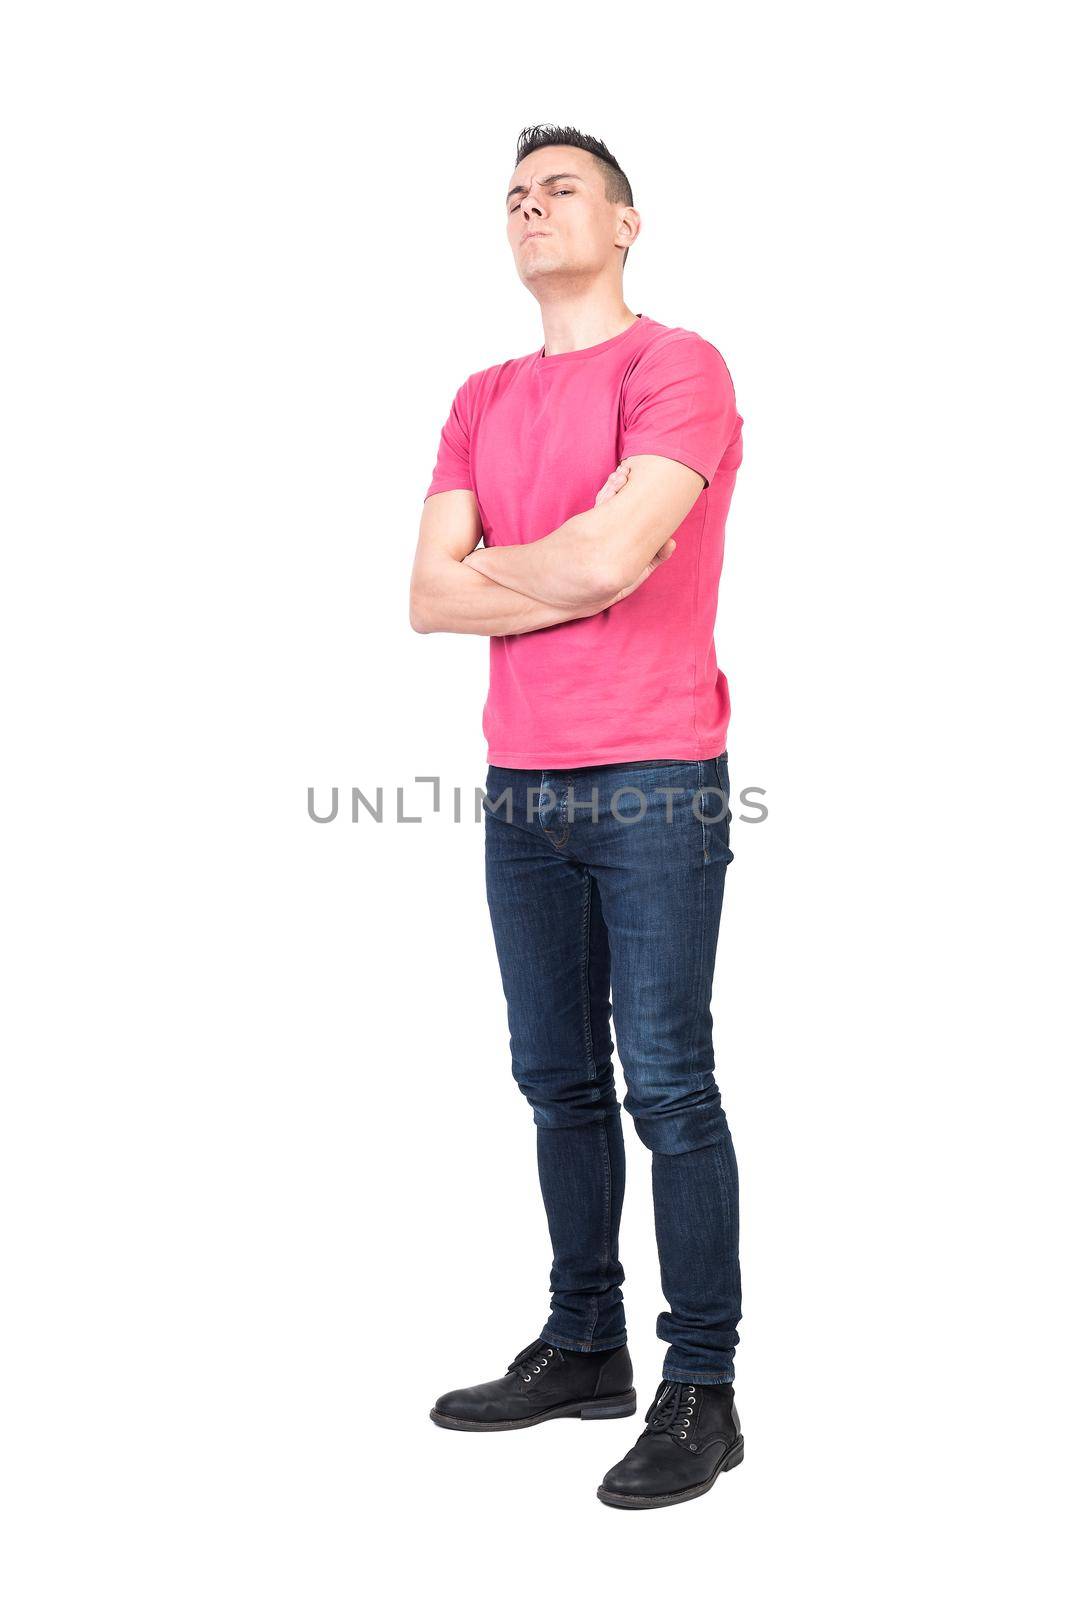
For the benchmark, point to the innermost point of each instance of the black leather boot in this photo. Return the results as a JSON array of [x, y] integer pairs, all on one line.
[[691, 1436], [543, 1382]]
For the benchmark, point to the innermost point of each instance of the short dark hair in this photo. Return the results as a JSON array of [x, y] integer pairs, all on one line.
[[617, 190]]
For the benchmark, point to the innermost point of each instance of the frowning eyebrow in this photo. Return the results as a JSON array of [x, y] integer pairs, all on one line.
[[545, 182]]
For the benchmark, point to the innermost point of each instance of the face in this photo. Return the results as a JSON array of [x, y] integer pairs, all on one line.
[[559, 222]]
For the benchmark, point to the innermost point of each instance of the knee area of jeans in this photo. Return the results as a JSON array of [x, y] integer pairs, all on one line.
[[570, 1102], [680, 1133], [557, 1116]]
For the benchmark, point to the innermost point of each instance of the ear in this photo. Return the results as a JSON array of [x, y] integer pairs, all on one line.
[[628, 225]]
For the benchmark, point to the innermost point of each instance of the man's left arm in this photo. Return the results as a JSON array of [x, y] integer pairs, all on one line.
[[593, 556], [679, 418]]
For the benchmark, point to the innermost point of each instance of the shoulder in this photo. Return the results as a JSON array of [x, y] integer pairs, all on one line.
[[479, 388], [670, 350], [470, 392]]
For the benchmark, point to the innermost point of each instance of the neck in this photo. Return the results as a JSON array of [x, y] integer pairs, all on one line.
[[574, 322]]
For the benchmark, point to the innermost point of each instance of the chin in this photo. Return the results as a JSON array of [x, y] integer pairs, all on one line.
[[540, 269]]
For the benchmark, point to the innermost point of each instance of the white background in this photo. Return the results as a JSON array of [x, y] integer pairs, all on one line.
[[268, 1185]]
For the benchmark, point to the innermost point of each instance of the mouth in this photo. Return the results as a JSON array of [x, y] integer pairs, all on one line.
[[527, 236]]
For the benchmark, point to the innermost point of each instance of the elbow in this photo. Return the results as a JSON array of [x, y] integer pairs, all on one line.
[[602, 582], [594, 577], [419, 615]]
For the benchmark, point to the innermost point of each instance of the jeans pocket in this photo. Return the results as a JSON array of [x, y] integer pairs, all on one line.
[[724, 782], [715, 811], [502, 799]]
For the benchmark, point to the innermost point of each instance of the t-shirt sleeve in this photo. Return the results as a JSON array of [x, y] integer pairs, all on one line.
[[680, 403], [453, 467]]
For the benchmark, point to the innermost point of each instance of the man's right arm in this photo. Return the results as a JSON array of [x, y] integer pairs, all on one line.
[[448, 597]]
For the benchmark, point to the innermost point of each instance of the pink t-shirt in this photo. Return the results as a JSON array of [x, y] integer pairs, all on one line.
[[535, 438]]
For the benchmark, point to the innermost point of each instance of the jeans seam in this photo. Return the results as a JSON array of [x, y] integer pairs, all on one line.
[[587, 1022], [586, 1349], [591, 1062], [676, 1375], [724, 788], [704, 822], [691, 1044], [700, 967], [569, 779], [606, 1168], [727, 1187]]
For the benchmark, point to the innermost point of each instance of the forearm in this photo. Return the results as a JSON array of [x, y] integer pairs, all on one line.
[[454, 597], [566, 568]]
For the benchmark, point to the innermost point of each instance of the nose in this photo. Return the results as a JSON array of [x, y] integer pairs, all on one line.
[[531, 208]]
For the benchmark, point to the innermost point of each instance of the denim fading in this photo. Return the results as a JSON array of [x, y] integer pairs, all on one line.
[[611, 924]]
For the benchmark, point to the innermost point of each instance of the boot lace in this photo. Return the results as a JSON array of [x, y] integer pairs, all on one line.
[[672, 1410], [532, 1360]]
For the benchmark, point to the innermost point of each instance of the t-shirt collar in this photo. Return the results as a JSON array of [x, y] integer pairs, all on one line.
[[542, 360]]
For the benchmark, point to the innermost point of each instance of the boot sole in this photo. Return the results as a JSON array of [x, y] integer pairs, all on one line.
[[645, 1502], [613, 1405]]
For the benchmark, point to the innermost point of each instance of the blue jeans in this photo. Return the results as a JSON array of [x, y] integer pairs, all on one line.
[[614, 912]]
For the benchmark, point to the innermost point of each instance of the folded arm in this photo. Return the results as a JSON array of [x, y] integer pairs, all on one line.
[[449, 596], [597, 557]]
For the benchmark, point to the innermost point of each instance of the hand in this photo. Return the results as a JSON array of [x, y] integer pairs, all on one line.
[[662, 555], [613, 483]]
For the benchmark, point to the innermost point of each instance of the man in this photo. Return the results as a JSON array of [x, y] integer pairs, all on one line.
[[597, 473]]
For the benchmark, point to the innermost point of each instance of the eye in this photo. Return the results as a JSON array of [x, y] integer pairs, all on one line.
[[555, 192]]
